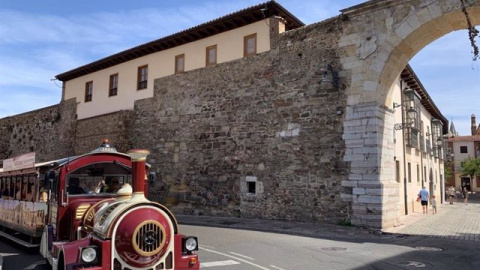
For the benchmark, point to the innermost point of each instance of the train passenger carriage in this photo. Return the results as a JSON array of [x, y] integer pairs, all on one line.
[[91, 212]]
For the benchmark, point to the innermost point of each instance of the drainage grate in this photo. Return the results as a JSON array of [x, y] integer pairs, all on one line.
[[412, 264], [228, 222]]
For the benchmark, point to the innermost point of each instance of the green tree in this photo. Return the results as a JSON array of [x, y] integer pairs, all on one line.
[[448, 173], [471, 167]]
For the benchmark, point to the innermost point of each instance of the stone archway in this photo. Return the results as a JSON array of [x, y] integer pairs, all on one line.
[[379, 39]]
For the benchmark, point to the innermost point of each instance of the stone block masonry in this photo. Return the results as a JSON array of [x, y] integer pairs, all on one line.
[[116, 127], [54, 132], [49, 132], [257, 137]]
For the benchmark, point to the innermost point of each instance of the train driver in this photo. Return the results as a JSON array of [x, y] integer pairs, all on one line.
[[74, 186]]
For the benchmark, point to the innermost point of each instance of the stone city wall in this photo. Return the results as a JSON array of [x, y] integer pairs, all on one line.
[[47, 132], [255, 137], [54, 132], [116, 127]]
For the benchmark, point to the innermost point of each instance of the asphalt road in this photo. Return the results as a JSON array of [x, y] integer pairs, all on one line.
[[17, 258], [239, 249], [233, 249]]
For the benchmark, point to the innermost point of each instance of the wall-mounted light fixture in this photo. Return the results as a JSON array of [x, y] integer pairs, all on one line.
[[409, 120], [329, 76], [437, 127], [408, 107]]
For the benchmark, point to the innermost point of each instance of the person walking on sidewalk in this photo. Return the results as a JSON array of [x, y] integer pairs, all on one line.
[[451, 194], [423, 194], [433, 202], [465, 195]]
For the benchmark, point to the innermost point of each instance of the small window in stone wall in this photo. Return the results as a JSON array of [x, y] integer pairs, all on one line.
[[251, 184], [251, 187], [463, 149]]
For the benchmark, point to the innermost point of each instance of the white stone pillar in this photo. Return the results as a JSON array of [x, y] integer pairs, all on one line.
[[371, 186]]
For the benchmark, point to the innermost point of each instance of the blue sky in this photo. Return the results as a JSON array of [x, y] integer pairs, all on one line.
[[41, 39]]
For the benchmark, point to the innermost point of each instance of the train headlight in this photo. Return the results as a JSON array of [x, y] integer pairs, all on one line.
[[89, 254], [190, 243]]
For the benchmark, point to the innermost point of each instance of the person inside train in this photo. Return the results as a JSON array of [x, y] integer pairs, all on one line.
[[100, 187], [24, 190], [31, 192], [114, 185], [18, 190], [74, 186], [8, 190], [42, 192]]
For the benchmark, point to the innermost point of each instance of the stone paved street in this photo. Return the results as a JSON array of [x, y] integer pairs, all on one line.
[[457, 221]]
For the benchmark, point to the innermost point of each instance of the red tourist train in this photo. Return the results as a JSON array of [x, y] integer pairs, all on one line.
[[90, 212]]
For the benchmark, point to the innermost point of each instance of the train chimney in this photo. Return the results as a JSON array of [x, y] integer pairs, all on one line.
[[139, 157]]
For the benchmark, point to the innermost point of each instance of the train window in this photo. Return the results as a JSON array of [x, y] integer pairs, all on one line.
[[18, 187], [8, 189], [31, 192], [2, 185], [93, 184], [24, 187]]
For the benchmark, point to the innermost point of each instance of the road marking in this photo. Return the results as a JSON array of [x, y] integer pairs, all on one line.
[[243, 256], [219, 263], [276, 267], [236, 258], [201, 246], [9, 254], [34, 265]]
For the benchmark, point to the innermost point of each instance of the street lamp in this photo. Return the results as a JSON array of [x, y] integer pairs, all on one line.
[[329, 76], [409, 122]]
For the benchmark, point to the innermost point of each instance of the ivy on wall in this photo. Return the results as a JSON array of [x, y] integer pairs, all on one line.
[[472, 32]]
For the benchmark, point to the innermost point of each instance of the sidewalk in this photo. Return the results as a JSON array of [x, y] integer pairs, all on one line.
[[457, 221]]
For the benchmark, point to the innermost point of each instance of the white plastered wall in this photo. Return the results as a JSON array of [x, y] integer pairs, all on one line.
[[229, 47]]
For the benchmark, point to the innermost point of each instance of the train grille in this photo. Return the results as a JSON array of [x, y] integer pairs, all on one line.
[[81, 210], [148, 238], [107, 213]]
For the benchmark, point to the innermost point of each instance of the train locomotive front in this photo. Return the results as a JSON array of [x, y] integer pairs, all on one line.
[[128, 232]]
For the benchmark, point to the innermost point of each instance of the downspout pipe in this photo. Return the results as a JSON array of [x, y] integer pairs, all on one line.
[[402, 99]]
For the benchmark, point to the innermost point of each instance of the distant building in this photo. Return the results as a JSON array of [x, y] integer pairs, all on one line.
[[462, 148]]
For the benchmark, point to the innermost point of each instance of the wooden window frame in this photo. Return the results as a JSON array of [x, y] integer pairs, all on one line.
[[142, 83], [409, 170], [207, 55], [88, 91], [177, 57], [113, 85], [418, 173], [245, 45], [397, 171]]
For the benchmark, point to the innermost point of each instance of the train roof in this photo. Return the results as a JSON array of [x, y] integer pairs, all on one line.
[[104, 148]]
